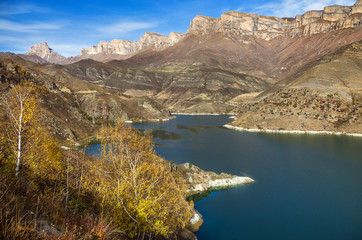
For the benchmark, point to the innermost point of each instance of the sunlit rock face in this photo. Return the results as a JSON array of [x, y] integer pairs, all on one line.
[[357, 7], [150, 40], [44, 51], [247, 24]]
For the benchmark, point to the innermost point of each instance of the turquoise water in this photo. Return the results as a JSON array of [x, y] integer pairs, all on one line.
[[307, 186]]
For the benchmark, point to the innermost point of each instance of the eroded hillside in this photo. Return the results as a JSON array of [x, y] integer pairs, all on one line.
[[324, 96], [73, 108]]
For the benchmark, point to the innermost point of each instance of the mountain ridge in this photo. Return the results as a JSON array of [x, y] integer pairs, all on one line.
[[238, 24], [222, 66], [235, 25]]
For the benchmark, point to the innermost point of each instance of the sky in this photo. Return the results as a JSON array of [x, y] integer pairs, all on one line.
[[68, 26]]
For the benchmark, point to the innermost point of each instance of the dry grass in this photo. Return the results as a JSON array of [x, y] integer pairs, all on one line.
[[27, 213]]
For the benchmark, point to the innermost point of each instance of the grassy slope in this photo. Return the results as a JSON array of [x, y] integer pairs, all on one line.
[[326, 95]]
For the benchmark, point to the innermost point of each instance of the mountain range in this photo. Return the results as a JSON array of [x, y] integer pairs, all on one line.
[[233, 25], [267, 70]]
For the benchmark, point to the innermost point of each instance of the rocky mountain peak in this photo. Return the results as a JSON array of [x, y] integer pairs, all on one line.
[[150, 40], [241, 27], [44, 51]]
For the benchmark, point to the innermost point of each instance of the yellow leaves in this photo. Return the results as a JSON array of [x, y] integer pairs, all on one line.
[[148, 196], [32, 146]]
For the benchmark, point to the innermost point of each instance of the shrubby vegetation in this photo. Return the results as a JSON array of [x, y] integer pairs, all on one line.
[[50, 193]]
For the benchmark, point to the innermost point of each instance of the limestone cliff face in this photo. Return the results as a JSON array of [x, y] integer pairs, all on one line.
[[44, 51], [357, 7], [150, 40], [244, 28], [237, 24]]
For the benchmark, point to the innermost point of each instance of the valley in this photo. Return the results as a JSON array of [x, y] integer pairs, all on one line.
[[284, 63], [67, 129]]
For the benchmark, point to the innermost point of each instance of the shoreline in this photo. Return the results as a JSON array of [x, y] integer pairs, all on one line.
[[218, 184], [292, 131], [155, 120], [198, 180], [202, 114]]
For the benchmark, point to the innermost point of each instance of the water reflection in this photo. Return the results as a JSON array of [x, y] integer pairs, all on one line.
[[184, 127], [166, 135]]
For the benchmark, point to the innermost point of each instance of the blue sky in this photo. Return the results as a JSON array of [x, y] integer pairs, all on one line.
[[68, 26]]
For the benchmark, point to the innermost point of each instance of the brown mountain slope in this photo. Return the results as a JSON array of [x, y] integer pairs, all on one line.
[[70, 104], [324, 96], [221, 58], [31, 57], [277, 58], [177, 75], [178, 86]]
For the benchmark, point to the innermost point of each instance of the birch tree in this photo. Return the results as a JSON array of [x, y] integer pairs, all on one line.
[[21, 110], [30, 142], [145, 196]]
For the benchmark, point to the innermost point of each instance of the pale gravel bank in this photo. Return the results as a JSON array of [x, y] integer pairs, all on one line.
[[199, 181], [220, 184], [201, 114], [150, 120], [291, 131]]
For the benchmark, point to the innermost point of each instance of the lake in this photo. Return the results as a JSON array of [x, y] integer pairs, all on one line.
[[307, 186]]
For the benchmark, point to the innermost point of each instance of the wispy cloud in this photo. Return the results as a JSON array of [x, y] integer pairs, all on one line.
[[67, 50], [7, 39], [17, 44], [7, 9], [127, 26], [289, 8], [239, 9], [29, 28]]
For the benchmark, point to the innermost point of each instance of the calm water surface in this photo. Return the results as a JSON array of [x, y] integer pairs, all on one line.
[[307, 186]]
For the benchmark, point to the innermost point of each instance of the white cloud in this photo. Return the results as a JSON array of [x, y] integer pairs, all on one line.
[[7, 39], [14, 9], [290, 8], [67, 50], [240, 9], [29, 28], [125, 27], [18, 44]]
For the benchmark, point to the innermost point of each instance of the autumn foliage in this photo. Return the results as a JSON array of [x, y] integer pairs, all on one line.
[[32, 150], [144, 195], [49, 193]]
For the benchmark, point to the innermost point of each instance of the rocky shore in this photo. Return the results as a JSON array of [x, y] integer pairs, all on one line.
[[291, 131], [200, 114], [155, 120], [201, 183]]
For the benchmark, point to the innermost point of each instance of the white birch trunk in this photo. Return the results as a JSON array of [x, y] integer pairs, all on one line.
[[19, 138]]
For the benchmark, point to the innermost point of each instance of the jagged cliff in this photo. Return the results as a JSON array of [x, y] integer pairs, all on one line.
[[236, 24], [44, 51], [219, 58], [106, 51], [123, 47], [232, 25]]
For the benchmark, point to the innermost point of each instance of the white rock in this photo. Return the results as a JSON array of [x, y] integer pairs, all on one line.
[[123, 47], [195, 219], [228, 182], [44, 51]]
